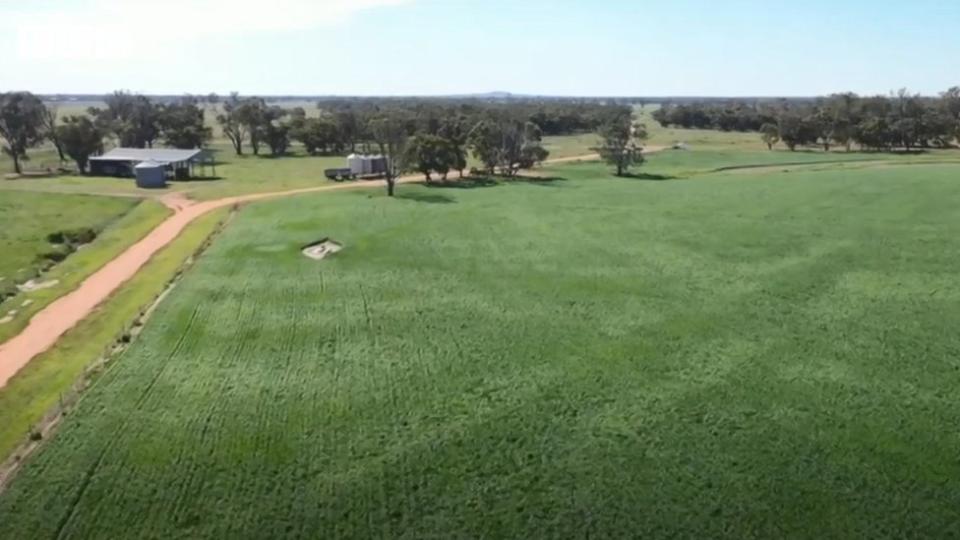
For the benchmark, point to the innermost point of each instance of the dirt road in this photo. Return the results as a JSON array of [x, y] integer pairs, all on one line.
[[46, 327]]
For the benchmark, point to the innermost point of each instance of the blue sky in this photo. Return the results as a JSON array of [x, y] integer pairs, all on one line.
[[402, 47]]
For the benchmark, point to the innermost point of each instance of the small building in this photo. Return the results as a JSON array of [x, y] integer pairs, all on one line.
[[151, 174], [177, 164]]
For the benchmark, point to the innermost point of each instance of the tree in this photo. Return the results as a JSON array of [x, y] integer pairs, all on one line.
[[21, 125], [796, 130], [621, 140], [276, 134], [254, 116], [951, 107], [231, 122], [50, 130], [484, 142], [81, 138], [389, 132], [822, 125], [316, 135], [455, 131], [770, 134], [349, 127], [182, 124], [506, 142], [908, 119], [520, 146], [843, 115], [532, 151], [131, 118], [429, 153]]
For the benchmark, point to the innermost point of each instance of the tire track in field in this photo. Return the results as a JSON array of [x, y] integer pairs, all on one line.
[[98, 462]]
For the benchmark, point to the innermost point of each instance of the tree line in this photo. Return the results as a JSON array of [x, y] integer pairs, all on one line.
[[342, 125], [429, 136], [502, 139], [899, 121]]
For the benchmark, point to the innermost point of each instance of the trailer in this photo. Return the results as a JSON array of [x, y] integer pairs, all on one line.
[[359, 166]]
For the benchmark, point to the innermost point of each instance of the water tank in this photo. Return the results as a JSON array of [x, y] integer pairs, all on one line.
[[355, 164], [366, 165], [378, 165], [150, 174]]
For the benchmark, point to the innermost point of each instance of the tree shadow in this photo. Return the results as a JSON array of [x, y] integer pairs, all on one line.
[[207, 178], [539, 181], [473, 182], [647, 176], [429, 198], [467, 182]]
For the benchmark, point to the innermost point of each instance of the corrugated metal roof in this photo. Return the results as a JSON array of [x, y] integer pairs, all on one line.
[[160, 155]]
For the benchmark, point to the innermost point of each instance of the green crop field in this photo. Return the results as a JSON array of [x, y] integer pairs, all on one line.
[[741, 354]]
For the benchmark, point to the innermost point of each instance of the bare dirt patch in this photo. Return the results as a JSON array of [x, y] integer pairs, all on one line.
[[34, 285], [321, 249]]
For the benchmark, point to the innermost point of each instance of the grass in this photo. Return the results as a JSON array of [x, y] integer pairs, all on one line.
[[245, 174], [238, 175], [733, 355], [27, 219], [570, 145], [687, 163], [39, 387]]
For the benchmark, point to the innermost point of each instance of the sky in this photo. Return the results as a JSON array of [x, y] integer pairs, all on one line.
[[439, 47]]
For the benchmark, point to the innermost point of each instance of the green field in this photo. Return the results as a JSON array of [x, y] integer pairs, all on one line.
[[744, 354], [51, 377], [26, 219]]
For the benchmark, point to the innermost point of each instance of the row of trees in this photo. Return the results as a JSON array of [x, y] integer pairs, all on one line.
[[426, 136], [500, 141], [344, 124], [131, 120], [902, 120]]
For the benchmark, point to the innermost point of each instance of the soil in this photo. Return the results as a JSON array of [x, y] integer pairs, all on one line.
[[34, 285], [321, 249]]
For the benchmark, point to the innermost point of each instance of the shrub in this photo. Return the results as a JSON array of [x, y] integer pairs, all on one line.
[[76, 237]]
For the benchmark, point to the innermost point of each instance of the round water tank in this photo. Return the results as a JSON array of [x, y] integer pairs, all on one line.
[[355, 164]]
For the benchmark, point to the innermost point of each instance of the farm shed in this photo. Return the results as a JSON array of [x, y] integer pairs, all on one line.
[[177, 164], [151, 174]]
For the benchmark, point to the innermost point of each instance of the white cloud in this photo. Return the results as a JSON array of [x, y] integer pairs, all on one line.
[[111, 30]]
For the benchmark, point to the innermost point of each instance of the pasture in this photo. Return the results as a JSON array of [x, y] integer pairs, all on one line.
[[26, 221], [738, 354], [236, 175]]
